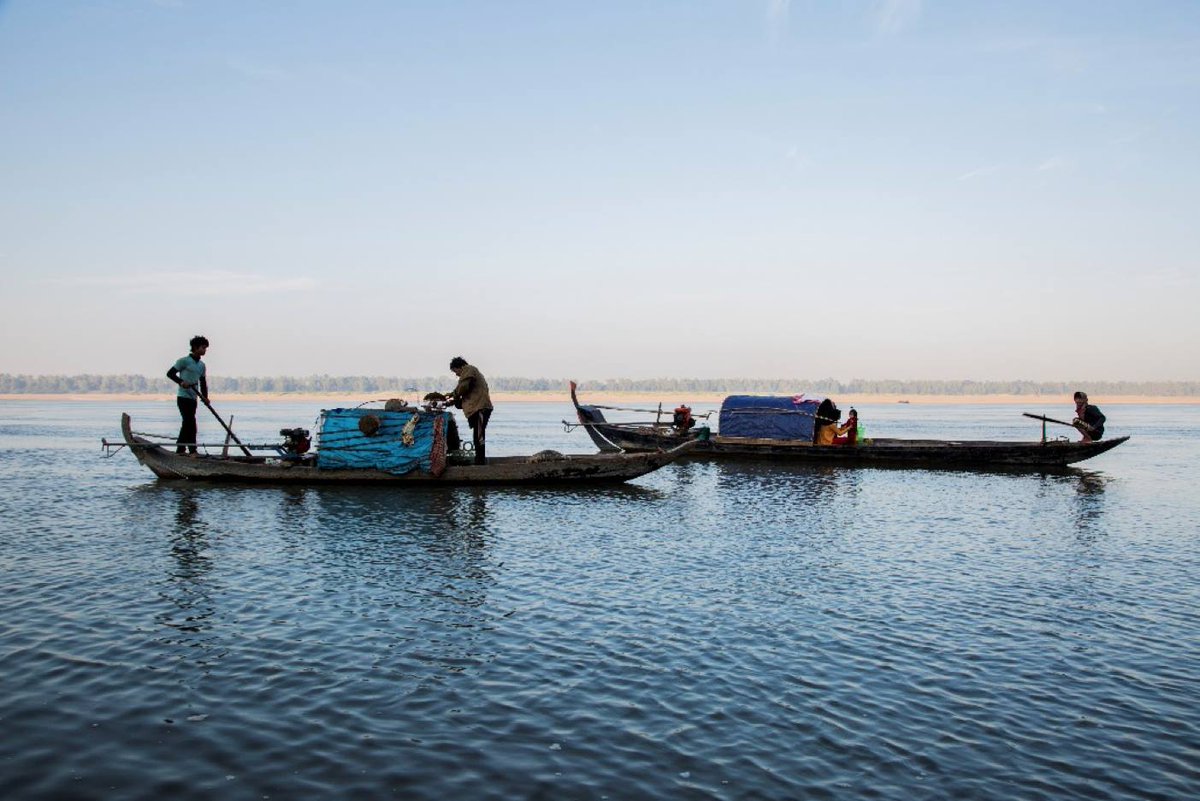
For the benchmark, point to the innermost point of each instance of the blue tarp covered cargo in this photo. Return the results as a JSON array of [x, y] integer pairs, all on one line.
[[768, 417], [404, 441]]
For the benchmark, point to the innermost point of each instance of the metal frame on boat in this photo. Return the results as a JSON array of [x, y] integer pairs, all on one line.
[[640, 437], [545, 468]]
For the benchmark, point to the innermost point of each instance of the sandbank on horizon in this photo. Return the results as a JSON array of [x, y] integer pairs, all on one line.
[[641, 399]]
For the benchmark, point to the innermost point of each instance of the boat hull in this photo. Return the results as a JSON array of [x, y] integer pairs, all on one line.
[[919, 453], [504, 470], [937, 453]]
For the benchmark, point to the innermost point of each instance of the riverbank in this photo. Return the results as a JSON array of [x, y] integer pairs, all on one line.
[[622, 398]]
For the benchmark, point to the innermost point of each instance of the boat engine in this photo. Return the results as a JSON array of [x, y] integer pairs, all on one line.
[[682, 420], [295, 440]]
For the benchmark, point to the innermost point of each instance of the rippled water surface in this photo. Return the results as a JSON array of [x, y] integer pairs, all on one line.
[[713, 630]]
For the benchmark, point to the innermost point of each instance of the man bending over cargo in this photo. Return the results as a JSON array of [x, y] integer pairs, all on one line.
[[471, 395]]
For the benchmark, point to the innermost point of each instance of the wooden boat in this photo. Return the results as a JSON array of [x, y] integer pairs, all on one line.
[[545, 468], [631, 437], [649, 436]]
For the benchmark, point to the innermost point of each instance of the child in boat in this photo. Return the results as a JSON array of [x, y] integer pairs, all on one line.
[[848, 433], [827, 429]]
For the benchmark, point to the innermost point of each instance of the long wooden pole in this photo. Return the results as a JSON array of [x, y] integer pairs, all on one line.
[[228, 430], [1045, 419]]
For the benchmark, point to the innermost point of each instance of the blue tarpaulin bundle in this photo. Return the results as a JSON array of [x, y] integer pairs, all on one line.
[[768, 417], [342, 445]]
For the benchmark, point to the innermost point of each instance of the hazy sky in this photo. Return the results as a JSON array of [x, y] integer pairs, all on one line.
[[709, 188]]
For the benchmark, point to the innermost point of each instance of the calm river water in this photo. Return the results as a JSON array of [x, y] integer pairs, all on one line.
[[713, 630]]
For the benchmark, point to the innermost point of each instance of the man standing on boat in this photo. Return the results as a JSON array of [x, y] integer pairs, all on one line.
[[1089, 420], [471, 395], [189, 373]]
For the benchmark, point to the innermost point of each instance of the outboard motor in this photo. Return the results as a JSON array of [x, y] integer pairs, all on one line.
[[295, 440], [682, 419]]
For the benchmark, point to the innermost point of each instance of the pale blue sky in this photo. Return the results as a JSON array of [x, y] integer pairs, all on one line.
[[851, 189]]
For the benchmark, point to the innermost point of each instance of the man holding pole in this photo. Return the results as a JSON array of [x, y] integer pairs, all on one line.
[[189, 373]]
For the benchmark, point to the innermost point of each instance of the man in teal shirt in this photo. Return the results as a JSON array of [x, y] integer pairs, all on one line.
[[189, 374]]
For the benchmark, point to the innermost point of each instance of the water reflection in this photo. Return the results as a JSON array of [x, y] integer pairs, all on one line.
[[294, 512], [186, 587], [293, 500], [803, 484], [470, 513], [188, 540], [803, 515], [415, 567], [1090, 483], [1089, 500], [427, 544]]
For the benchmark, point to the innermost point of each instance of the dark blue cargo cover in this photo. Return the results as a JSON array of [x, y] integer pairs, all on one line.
[[405, 441], [768, 417]]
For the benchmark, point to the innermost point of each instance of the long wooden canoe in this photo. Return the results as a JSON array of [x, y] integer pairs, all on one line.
[[645, 437], [547, 468]]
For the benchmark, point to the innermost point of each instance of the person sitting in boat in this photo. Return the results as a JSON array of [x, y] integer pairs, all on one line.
[[848, 433], [471, 395], [1089, 420], [826, 428]]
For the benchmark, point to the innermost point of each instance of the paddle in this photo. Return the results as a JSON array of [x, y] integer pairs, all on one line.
[[228, 430]]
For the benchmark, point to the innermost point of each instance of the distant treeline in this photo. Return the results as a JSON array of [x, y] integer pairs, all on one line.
[[361, 384]]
